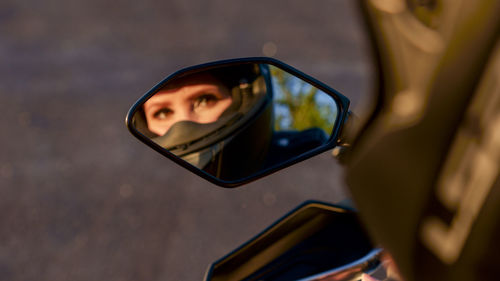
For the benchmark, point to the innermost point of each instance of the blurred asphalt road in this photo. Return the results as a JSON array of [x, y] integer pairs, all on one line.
[[80, 198]]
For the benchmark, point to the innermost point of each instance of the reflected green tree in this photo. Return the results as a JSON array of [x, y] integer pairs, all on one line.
[[297, 104]]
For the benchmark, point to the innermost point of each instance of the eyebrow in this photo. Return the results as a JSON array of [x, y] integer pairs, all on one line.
[[151, 103], [215, 88], [155, 105]]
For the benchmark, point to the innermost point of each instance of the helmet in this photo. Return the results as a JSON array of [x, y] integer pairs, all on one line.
[[231, 139]]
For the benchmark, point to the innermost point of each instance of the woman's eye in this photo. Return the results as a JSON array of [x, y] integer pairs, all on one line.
[[205, 100], [162, 113]]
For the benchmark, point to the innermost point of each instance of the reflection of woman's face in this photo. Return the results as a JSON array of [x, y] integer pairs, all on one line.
[[201, 102]]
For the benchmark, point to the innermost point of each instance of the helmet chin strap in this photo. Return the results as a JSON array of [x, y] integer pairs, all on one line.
[[203, 157]]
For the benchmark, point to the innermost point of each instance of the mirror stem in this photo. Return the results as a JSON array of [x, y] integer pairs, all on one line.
[[344, 141]]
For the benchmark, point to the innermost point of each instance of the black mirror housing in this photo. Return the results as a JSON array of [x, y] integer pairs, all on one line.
[[234, 121]]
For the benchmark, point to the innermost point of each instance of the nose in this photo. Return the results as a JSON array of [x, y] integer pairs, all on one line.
[[183, 114]]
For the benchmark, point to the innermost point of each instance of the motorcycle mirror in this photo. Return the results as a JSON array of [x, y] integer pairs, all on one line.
[[234, 121]]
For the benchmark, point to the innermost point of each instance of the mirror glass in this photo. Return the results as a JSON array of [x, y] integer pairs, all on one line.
[[233, 121]]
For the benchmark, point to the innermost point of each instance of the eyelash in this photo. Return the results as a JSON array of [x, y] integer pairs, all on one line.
[[163, 110], [206, 97]]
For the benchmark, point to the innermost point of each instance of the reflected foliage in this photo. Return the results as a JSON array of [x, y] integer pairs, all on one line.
[[299, 105]]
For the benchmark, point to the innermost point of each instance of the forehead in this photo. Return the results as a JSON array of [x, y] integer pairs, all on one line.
[[183, 88], [191, 80]]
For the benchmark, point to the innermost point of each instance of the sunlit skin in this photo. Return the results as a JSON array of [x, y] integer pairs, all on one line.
[[202, 101]]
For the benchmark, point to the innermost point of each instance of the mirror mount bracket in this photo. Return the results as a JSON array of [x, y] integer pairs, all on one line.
[[344, 142]]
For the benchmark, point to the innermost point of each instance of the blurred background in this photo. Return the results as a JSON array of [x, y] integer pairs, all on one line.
[[80, 198]]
